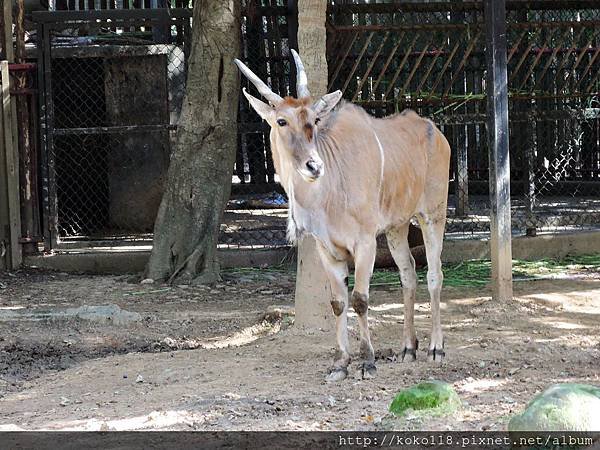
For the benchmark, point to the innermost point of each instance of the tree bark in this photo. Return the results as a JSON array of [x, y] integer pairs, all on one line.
[[313, 291], [199, 176]]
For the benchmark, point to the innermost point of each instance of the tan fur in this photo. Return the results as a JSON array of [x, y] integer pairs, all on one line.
[[351, 177]]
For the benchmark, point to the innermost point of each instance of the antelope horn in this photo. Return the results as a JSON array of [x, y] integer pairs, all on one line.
[[301, 78], [264, 90]]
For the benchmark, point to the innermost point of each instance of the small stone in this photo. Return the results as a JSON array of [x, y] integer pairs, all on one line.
[[139, 379], [147, 281], [514, 370], [481, 364], [170, 342], [64, 401]]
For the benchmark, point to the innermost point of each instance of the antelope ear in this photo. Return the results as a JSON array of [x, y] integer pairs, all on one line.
[[267, 112], [326, 103]]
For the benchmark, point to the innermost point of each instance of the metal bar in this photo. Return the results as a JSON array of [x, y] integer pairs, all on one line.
[[516, 46], [585, 72], [400, 66], [412, 27], [499, 162], [592, 84], [462, 62], [454, 26], [579, 59], [114, 15], [523, 58], [551, 59], [392, 53], [446, 64], [357, 62], [535, 61], [341, 64], [49, 120], [459, 137], [530, 180], [370, 67], [292, 23], [417, 64], [12, 168], [442, 6], [43, 140], [21, 67], [114, 130], [555, 24], [568, 53], [425, 77]]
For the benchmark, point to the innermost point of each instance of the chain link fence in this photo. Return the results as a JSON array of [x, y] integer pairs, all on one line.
[[430, 57]]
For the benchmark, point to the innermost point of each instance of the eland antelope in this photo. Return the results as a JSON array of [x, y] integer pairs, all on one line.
[[350, 177]]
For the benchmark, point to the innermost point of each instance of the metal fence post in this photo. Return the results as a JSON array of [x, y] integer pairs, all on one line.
[[497, 101]]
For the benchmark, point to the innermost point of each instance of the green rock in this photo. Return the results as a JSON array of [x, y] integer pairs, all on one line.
[[434, 396], [561, 407]]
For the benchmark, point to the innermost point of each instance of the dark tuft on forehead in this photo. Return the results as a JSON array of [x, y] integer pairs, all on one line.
[[303, 115]]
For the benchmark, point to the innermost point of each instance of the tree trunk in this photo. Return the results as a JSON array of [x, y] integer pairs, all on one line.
[[313, 291], [199, 177]]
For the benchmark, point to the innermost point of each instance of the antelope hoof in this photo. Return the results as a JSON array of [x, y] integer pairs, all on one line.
[[368, 370], [436, 354], [412, 352], [337, 374]]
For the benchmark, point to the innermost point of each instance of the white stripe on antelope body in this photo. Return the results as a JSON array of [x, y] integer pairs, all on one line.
[[349, 177]]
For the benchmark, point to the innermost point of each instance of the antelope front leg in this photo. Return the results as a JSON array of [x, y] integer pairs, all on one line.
[[337, 273], [364, 260]]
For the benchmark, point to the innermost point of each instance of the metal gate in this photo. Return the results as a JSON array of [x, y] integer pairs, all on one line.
[[112, 86]]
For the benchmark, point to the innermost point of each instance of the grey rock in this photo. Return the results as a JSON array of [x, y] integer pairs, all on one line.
[[561, 407]]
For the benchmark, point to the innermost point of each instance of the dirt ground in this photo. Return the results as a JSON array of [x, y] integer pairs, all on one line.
[[204, 358]]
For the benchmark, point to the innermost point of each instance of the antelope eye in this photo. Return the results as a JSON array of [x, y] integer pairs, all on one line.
[[281, 122]]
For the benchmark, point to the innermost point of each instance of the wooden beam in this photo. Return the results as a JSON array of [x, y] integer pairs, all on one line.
[[497, 131], [11, 167], [7, 22]]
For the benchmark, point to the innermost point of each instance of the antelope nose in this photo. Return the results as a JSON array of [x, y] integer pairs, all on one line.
[[314, 167]]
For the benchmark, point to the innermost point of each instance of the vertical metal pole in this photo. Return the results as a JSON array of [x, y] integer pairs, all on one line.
[[49, 102], [497, 100], [459, 135], [44, 148]]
